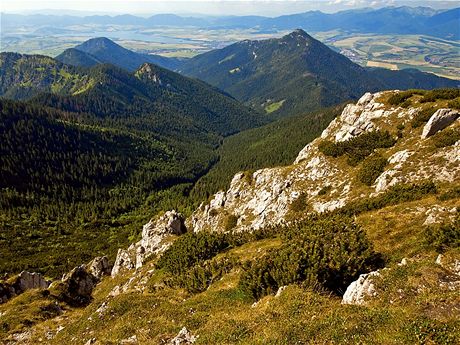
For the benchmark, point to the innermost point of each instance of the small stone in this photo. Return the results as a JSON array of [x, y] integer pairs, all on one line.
[[184, 337]]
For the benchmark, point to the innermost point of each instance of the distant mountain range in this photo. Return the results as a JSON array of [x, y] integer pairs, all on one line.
[[297, 73], [103, 50], [388, 20]]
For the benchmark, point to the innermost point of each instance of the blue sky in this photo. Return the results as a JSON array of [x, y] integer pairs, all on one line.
[[211, 7]]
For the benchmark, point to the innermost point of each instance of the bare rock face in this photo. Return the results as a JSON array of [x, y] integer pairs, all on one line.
[[153, 235], [24, 281], [360, 289], [271, 196], [77, 286], [99, 267], [126, 260], [439, 120], [184, 337], [27, 281]]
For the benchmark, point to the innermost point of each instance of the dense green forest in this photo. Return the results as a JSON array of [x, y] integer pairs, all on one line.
[[73, 187], [69, 191], [82, 171]]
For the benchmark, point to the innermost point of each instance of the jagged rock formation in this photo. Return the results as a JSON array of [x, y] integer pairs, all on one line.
[[266, 196], [438, 121], [24, 281], [27, 281], [76, 287], [154, 234]]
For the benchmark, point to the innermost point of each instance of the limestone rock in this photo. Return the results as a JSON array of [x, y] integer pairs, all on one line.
[[24, 281], [99, 267], [27, 281], [153, 235], [357, 118], [264, 197], [131, 340], [360, 289], [280, 290], [439, 120], [184, 337], [77, 286], [126, 260]]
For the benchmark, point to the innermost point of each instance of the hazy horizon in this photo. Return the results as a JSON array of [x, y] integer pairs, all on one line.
[[192, 7]]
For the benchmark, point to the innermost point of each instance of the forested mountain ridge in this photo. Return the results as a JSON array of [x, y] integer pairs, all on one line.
[[75, 57], [104, 50], [23, 76], [296, 73], [109, 91]]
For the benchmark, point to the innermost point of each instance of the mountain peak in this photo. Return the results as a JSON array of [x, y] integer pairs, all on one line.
[[97, 43], [299, 33]]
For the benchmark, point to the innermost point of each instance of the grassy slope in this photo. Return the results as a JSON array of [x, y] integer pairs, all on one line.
[[223, 314]]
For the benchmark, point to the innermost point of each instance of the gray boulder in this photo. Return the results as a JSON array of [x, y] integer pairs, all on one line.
[[360, 289], [126, 260], [27, 281], [24, 281], [99, 267], [77, 286], [438, 121]]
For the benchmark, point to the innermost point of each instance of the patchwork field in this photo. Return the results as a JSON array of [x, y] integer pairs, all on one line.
[[425, 53], [429, 54]]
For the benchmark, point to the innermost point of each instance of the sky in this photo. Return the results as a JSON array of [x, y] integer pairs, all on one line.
[[211, 7]]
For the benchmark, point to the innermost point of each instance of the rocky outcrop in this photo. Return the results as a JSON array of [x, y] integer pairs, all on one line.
[[99, 267], [27, 281], [76, 287], [24, 281], [126, 260], [154, 234], [265, 197], [361, 289], [184, 337], [439, 120]]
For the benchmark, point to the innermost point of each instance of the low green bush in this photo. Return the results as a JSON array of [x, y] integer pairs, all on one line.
[[444, 236], [454, 104], [323, 251], [403, 96], [323, 191], [230, 222], [393, 196], [199, 277], [450, 194], [447, 137], [358, 148], [299, 204], [422, 117], [190, 249], [371, 168], [434, 95]]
